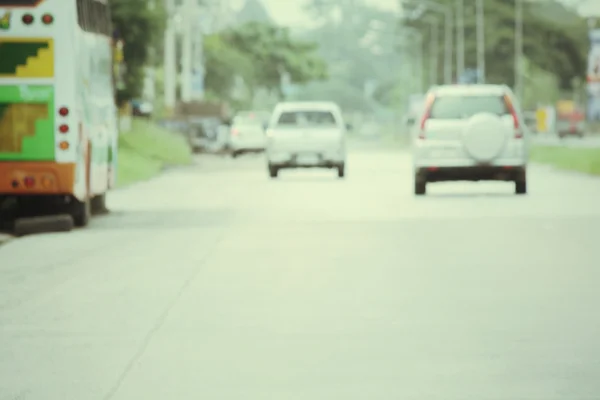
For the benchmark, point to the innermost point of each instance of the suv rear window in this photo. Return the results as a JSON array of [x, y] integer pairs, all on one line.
[[458, 107], [304, 118]]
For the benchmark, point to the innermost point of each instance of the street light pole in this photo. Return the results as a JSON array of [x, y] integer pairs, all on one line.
[[187, 51], [170, 61], [449, 29], [480, 42], [519, 49], [448, 45], [460, 38], [433, 53]]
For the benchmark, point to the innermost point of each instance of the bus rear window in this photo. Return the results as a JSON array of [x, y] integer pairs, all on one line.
[[458, 107], [20, 3]]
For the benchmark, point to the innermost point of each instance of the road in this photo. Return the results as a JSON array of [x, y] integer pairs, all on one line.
[[214, 282]]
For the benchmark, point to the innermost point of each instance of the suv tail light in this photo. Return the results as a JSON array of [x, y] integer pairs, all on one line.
[[426, 114], [513, 112]]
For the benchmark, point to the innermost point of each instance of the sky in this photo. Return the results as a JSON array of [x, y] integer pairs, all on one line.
[[290, 13]]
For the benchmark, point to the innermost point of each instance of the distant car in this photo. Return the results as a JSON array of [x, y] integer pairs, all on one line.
[[470, 133], [306, 135], [142, 108], [247, 132]]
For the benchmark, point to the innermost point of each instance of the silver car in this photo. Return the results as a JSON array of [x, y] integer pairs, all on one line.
[[306, 135], [470, 133]]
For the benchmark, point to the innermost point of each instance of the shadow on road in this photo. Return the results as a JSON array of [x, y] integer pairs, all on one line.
[[470, 195], [160, 219]]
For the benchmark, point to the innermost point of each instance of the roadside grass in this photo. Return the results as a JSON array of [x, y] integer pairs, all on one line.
[[585, 160], [148, 149]]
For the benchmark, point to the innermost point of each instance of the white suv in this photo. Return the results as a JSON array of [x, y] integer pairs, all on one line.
[[470, 133], [306, 135]]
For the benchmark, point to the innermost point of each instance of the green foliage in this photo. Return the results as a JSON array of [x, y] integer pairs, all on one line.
[[555, 39], [346, 96], [573, 159], [259, 53], [141, 28], [359, 47], [147, 150]]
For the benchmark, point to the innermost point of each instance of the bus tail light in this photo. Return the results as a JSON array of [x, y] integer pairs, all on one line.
[[64, 145], [27, 19], [47, 19], [63, 128], [63, 111], [29, 182]]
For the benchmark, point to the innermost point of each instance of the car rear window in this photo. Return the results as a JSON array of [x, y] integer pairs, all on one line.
[[306, 118], [458, 107]]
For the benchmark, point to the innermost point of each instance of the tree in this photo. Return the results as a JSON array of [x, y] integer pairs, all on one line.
[[223, 65], [261, 53], [140, 28], [554, 39]]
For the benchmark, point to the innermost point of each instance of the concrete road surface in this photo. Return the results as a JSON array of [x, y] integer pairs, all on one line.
[[216, 283]]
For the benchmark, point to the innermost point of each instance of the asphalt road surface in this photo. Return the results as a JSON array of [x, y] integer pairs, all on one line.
[[214, 282]]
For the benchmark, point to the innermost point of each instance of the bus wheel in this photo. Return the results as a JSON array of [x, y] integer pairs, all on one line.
[[81, 211], [98, 204]]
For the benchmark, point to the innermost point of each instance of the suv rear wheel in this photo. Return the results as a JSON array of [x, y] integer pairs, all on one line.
[[521, 186], [341, 170], [273, 171], [420, 187]]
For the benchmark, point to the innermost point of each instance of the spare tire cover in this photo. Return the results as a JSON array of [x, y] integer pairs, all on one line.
[[485, 136]]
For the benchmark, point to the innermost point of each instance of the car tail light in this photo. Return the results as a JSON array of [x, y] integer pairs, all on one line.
[[426, 115], [513, 112], [27, 19], [63, 111]]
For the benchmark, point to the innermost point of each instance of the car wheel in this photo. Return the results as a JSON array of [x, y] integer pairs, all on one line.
[[273, 171], [521, 187], [341, 170], [420, 187]]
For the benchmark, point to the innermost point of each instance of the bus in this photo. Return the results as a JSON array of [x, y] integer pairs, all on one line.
[[58, 117]]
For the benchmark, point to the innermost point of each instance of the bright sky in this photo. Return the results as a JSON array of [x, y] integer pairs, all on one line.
[[289, 12]]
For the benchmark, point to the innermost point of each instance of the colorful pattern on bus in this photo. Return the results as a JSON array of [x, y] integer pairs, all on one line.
[[27, 122]]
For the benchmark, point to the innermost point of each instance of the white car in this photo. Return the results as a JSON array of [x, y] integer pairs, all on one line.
[[306, 135], [470, 133], [247, 132]]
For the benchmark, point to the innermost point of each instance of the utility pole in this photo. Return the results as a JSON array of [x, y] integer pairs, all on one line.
[[187, 60], [519, 49], [448, 45], [170, 62], [480, 42], [460, 38], [433, 53]]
